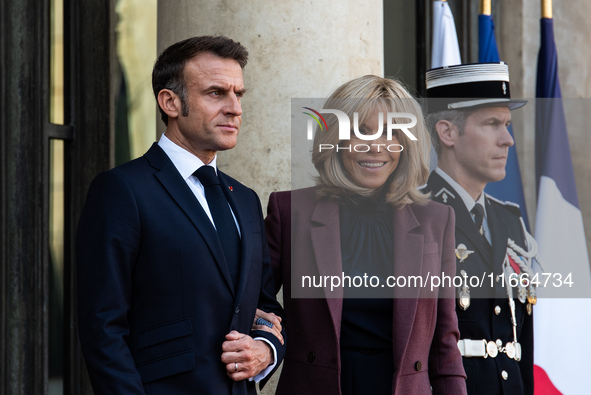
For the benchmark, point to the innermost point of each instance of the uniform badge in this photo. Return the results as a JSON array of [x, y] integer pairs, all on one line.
[[521, 293], [464, 298], [531, 295], [445, 194], [462, 252]]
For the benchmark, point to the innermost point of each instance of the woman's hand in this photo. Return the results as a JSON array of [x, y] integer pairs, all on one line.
[[268, 322]]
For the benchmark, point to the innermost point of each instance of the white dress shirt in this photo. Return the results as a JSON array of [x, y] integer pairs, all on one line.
[[187, 164]]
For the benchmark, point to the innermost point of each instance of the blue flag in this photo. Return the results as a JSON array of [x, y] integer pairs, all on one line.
[[487, 43], [511, 187]]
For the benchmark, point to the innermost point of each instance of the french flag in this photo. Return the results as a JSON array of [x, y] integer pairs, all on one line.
[[562, 317]]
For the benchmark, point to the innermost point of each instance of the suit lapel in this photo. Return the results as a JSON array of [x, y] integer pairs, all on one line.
[[326, 243], [246, 244], [172, 181], [408, 261]]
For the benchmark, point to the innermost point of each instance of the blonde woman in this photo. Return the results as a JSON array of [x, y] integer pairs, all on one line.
[[366, 223]]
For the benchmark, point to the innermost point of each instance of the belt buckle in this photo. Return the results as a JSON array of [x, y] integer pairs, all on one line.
[[510, 350], [492, 349]]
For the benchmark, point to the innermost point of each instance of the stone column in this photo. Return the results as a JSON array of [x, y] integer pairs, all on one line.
[[298, 49]]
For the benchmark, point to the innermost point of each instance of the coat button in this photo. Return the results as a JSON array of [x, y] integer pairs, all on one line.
[[311, 356], [505, 375], [497, 310], [237, 309], [418, 366]]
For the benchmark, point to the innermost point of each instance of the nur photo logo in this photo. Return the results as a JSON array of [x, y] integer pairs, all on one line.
[[344, 124]]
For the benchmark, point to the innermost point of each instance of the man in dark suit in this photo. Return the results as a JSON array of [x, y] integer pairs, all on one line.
[[470, 110], [171, 252]]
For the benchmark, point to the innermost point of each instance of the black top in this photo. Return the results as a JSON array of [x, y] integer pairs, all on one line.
[[366, 228]]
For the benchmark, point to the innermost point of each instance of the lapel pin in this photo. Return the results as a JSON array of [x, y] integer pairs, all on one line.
[[231, 189], [462, 252]]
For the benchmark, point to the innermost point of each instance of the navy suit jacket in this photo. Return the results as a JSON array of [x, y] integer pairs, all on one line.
[[155, 297]]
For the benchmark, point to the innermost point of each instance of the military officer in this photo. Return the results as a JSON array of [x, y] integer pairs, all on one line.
[[470, 109]]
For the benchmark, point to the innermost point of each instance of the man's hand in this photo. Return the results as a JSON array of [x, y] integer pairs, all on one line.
[[245, 357], [273, 319]]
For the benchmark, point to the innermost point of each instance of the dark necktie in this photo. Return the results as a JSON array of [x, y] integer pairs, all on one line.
[[222, 218], [478, 212]]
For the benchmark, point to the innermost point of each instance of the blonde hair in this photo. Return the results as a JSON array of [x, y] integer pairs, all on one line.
[[363, 95]]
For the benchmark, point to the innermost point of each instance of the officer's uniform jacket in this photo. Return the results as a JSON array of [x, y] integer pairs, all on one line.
[[489, 318]]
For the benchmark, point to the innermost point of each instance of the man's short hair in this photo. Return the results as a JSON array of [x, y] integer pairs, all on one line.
[[169, 67], [457, 117]]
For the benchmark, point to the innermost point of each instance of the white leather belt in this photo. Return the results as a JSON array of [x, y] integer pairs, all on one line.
[[481, 348]]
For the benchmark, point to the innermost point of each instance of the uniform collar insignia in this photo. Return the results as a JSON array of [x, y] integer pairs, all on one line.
[[444, 193]]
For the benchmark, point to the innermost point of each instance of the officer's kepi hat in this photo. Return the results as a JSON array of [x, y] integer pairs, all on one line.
[[470, 86]]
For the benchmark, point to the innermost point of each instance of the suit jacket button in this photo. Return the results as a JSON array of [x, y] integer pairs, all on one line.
[[505, 375], [237, 309], [418, 366], [311, 356]]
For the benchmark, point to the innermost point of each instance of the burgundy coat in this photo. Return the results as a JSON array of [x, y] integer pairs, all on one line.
[[425, 329]]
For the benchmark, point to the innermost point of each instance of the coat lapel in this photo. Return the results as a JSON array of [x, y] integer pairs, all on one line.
[[408, 261], [172, 181], [246, 243], [326, 242]]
